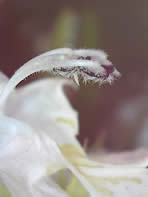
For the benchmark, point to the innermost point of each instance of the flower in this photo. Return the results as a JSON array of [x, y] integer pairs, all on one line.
[[38, 129]]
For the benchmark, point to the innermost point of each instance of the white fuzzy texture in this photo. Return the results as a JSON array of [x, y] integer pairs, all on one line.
[[53, 61]]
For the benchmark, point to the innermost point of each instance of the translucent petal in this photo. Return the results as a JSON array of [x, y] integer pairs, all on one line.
[[44, 106], [19, 188], [3, 78], [27, 158], [3, 81], [101, 179]]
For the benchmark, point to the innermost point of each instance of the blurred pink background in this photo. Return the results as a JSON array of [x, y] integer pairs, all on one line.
[[117, 114]]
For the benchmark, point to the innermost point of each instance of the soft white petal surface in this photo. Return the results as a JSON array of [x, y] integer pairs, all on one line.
[[44, 106], [26, 157], [3, 81], [104, 179]]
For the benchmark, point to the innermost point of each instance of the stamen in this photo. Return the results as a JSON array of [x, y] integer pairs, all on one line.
[[84, 58], [81, 58], [88, 58], [79, 71], [109, 69]]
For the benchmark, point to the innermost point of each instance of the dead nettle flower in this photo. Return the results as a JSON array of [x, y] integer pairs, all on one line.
[[38, 129]]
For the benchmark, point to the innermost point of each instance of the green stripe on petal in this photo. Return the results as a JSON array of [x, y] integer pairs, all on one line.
[[4, 191], [75, 188]]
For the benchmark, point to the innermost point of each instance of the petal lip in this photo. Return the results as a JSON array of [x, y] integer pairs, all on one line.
[[56, 61]]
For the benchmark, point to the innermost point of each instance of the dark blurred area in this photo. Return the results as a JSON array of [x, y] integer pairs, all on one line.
[[117, 114]]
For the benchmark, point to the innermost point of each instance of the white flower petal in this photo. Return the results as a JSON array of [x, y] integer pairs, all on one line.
[[3, 78], [43, 103], [26, 157], [107, 182], [67, 63], [3, 81], [45, 108], [18, 188], [101, 179], [25, 148], [137, 156], [48, 188]]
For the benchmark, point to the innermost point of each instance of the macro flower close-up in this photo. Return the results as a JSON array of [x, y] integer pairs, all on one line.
[[40, 154]]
